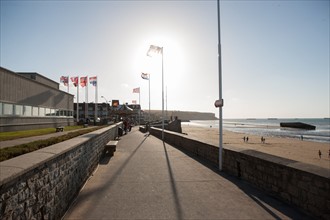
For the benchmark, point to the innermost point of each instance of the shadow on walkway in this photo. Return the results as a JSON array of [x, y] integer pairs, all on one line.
[[263, 199]]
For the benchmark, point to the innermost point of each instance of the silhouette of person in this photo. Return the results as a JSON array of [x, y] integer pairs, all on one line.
[[320, 154]]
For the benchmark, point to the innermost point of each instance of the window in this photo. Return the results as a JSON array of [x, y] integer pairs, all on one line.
[[52, 112], [8, 109], [42, 112], [47, 112], [18, 109], [35, 111], [27, 110]]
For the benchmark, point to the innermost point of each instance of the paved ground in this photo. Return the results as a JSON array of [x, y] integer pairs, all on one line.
[[11, 143], [146, 179]]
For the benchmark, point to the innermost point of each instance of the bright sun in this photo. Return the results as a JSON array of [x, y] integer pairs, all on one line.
[[172, 54]]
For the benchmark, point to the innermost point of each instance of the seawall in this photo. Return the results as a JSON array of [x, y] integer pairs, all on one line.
[[302, 185], [42, 184]]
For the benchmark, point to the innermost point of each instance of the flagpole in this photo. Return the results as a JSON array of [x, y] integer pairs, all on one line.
[[68, 83], [162, 93], [166, 103], [78, 100], [149, 99], [140, 107], [95, 116], [86, 99]]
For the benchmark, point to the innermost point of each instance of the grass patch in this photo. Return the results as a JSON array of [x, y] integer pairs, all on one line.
[[11, 152], [12, 135]]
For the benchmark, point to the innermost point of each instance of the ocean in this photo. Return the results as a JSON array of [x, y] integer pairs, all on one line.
[[271, 127]]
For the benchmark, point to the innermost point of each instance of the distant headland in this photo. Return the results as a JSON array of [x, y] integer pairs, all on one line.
[[182, 115]]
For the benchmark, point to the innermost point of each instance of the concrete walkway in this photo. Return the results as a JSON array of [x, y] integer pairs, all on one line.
[[146, 179]]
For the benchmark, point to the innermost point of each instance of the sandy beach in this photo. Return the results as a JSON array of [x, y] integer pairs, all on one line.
[[291, 148]]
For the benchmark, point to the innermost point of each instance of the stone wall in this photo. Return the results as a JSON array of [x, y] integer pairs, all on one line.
[[42, 184], [301, 185]]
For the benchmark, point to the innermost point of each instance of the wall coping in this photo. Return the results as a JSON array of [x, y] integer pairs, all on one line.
[[15, 167]]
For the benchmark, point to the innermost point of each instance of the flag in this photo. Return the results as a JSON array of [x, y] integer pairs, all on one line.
[[75, 81], [154, 50], [64, 80], [83, 81], [136, 90], [133, 101], [93, 80], [145, 76]]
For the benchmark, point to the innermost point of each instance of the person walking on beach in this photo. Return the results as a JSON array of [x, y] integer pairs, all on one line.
[[247, 139], [263, 140], [244, 138], [320, 154]]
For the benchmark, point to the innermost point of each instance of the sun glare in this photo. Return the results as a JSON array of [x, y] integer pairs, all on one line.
[[172, 54]]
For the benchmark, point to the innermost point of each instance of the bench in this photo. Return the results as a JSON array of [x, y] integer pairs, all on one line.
[[59, 129], [110, 147]]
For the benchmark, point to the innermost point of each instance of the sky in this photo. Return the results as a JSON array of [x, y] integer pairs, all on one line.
[[275, 54]]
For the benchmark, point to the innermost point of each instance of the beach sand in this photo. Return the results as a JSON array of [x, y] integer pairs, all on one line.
[[290, 148]]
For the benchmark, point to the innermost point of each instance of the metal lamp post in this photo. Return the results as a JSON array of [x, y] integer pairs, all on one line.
[[159, 50], [219, 103]]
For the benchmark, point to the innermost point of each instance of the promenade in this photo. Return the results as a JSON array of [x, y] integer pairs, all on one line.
[[149, 179]]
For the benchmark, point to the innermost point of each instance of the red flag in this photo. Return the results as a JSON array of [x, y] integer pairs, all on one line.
[[64, 80], [83, 81], [75, 80], [136, 90]]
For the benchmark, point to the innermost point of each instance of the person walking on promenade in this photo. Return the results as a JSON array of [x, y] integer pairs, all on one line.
[[320, 154], [244, 138], [247, 139]]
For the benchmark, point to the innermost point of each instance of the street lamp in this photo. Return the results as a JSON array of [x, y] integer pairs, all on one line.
[[154, 50], [106, 101], [219, 103]]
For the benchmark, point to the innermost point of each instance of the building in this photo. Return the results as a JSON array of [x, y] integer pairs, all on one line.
[[106, 113], [87, 111], [32, 101]]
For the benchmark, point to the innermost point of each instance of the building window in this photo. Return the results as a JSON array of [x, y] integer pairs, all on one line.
[[18, 109], [8, 109], [52, 112], [27, 110], [35, 111], [47, 112], [42, 112]]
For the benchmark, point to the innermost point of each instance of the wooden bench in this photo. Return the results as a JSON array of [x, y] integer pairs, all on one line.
[[110, 147], [59, 129]]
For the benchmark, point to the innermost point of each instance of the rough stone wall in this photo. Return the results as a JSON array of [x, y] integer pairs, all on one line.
[[32, 187], [302, 185]]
